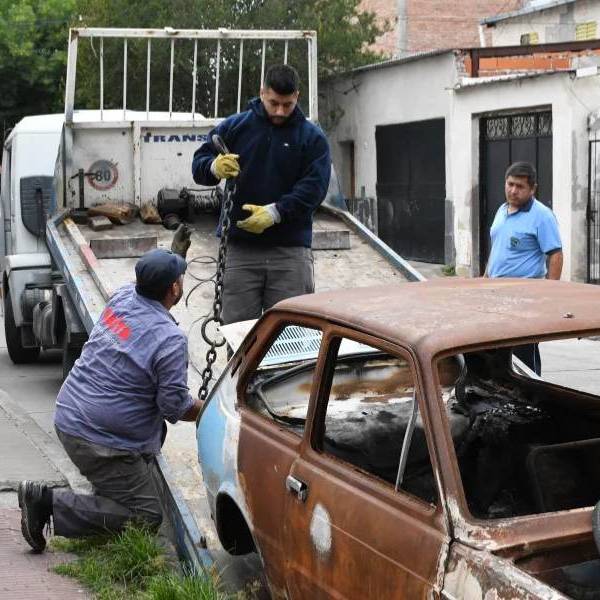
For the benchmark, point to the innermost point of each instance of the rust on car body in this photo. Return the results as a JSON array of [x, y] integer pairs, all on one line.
[[326, 530]]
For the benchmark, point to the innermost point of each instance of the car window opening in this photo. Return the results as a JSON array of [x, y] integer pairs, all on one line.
[[524, 446], [372, 422]]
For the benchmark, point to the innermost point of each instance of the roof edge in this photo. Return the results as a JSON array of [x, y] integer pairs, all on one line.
[[527, 10], [391, 62]]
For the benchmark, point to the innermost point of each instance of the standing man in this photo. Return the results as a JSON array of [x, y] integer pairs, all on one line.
[[282, 164], [132, 374], [525, 240]]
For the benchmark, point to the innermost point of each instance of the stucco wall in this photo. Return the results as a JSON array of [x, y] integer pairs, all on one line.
[[424, 89], [414, 91], [570, 100], [552, 25]]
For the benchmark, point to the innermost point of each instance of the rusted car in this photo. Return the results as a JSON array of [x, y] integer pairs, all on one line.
[[379, 443]]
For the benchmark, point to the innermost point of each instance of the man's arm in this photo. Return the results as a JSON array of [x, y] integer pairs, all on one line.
[[193, 412], [550, 244], [172, 395], [555, 264], [310, 189]]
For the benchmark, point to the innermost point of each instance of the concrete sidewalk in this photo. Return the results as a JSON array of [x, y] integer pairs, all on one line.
[[29, 449], [28, 576]]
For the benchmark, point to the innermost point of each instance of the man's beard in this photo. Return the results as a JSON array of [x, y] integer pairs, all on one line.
[[278, 120]]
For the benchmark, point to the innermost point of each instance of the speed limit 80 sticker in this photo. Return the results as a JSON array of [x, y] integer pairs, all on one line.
[[102, 175]]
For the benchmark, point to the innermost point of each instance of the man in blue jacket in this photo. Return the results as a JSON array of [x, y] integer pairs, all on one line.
[[282, 164]]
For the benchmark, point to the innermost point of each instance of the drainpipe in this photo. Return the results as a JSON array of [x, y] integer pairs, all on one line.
[[481, 36], [402, 28]]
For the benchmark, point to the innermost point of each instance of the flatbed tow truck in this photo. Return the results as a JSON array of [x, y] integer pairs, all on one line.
[[58, 272]]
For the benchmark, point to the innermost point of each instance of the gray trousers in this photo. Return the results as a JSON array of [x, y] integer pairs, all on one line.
[[123, 491], [258, 277]]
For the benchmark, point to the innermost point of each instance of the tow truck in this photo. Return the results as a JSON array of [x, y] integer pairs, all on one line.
[[58, 271]]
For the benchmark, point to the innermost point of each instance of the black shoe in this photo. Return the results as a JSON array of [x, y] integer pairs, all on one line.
[[35, 513]]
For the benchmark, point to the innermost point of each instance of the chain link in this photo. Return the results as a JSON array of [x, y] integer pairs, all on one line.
[[211, 354]]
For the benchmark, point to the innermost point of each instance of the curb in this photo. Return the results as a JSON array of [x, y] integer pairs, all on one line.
[[48, 447]]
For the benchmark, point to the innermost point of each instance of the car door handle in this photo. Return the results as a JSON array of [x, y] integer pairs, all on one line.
[[297, 487]]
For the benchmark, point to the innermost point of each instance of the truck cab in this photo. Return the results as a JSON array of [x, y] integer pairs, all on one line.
[[27, 200]]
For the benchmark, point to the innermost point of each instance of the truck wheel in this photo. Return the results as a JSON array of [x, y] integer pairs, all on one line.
[[69, 356], [18, 354]]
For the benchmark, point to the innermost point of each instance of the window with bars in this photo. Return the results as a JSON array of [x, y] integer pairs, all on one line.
[[518, 126], [586, 31]]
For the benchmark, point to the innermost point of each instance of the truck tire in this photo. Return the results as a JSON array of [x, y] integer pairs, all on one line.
[[69, 355], [18, 354]]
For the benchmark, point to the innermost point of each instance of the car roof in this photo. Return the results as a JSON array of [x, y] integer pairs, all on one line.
[[449, 313]]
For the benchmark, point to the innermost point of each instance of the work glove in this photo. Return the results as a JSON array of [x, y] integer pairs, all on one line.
[[225, 166], [262, 217], [181, 240]]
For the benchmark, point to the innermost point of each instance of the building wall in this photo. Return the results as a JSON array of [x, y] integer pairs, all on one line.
[[386, 11], [571, 100], [420, 25], [449, 23], [556, 24], [382, 97], [424, 89]]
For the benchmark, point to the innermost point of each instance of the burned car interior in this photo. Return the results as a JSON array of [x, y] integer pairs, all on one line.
[[524, 446]]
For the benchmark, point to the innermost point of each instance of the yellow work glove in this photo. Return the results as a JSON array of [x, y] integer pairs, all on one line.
[[225, 166], [261, 218]]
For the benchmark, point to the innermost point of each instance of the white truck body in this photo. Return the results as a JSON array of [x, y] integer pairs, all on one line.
[[55, 163]]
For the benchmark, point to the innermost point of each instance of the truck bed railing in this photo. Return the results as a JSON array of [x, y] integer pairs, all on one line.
[[177, 35]]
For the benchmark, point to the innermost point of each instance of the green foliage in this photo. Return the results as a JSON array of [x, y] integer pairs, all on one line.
[[449, 270], [189, 586], [131, 566], [33, 51], [34, 37], [342, 33]]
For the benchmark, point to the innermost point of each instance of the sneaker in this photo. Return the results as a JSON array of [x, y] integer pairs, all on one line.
[[34, 513]]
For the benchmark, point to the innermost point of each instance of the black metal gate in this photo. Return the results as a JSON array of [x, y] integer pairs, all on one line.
[[593, 214], [506, 139], [411, 188]]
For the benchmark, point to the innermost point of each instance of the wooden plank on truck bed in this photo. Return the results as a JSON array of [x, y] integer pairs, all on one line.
[[123, 247], [334, 239]]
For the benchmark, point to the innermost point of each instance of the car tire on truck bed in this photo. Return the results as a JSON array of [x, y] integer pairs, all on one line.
[[18, 354]]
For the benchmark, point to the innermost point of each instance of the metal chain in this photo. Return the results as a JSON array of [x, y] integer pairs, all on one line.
[[211, 354]]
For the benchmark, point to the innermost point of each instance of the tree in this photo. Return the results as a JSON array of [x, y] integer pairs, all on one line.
[[33, 51], [343, 35]]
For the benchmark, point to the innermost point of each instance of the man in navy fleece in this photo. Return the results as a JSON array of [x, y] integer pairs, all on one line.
[[282, 164]]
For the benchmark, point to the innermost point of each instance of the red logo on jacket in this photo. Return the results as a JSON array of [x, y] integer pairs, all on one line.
[[115, 324]]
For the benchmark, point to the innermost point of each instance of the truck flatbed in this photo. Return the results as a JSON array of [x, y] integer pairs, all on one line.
[[359, 265]]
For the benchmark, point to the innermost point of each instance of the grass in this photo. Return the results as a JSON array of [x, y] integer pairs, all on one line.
[[449, 270], [132, 566]]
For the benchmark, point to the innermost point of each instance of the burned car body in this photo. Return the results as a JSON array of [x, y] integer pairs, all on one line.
[[378, 443]]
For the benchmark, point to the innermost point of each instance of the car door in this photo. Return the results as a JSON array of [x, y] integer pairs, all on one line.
[[274, 393], [363, 517]]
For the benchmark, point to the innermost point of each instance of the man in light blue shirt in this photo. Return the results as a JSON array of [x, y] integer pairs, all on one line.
[[130, 377], [525, 240]]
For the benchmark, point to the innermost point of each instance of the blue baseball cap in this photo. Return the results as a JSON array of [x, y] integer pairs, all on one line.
[[159, 268]]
